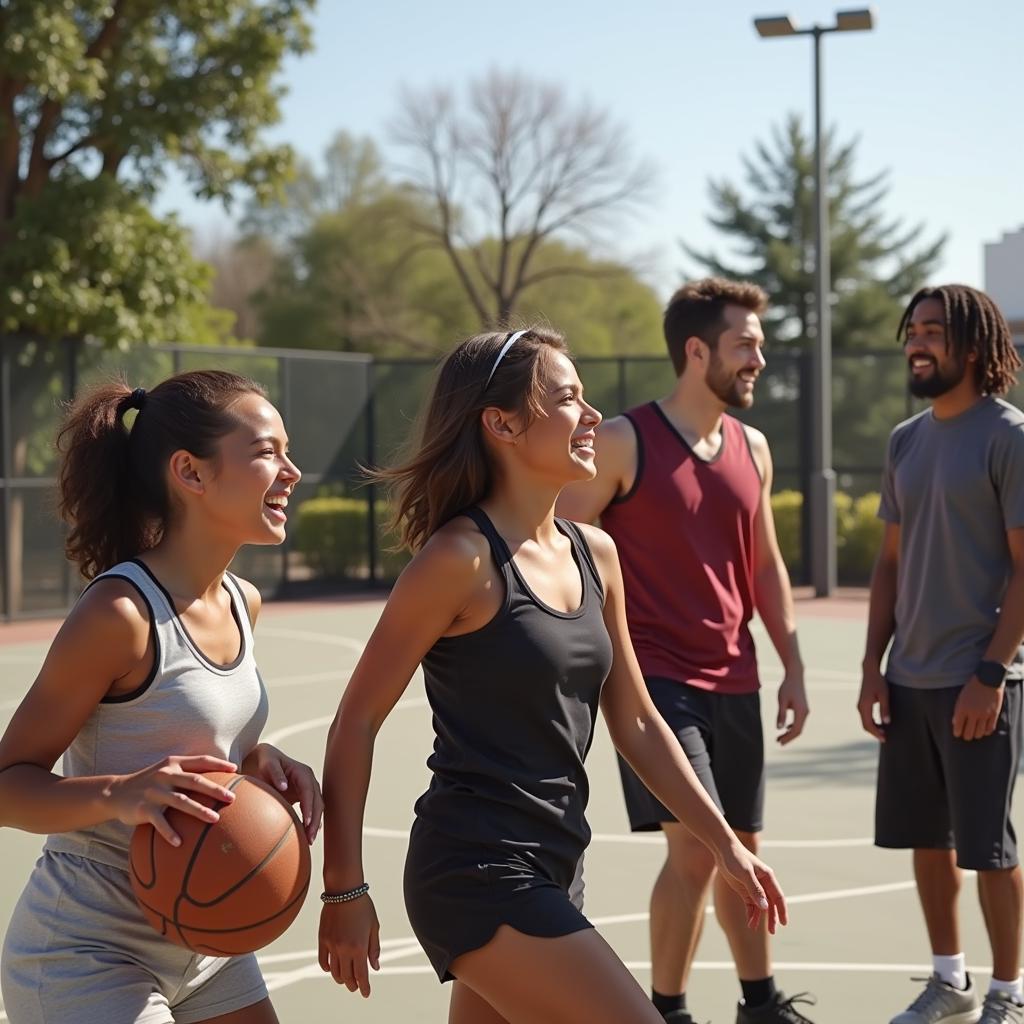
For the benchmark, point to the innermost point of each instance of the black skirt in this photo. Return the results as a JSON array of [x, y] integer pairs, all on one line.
[[458, 894]]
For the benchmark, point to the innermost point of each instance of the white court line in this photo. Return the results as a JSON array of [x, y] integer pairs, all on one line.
[[614, 837], [277, 735], [286, 978], [728, 965], [823, 967], [407, 946], [284, 633], [340, 675], [842, 894], [308, 634], [815, 844], [305, 954], [809, 897], [400, 948], [281, 682], [656, 838], [385, 833]]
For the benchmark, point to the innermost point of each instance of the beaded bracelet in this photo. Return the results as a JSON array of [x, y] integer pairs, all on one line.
[[345, 897]]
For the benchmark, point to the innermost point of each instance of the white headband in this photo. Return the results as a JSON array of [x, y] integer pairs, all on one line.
[[501, 355]]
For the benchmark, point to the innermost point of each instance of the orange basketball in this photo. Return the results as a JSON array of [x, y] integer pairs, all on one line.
[[230, 887]]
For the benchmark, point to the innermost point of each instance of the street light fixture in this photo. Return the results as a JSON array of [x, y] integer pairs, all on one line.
[[860, 19], [823, 477], [778, 26]]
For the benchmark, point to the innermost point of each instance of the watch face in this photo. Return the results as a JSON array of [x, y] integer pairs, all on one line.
[[990, 673]]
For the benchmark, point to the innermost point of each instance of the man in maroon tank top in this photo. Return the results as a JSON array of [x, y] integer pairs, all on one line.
[[683, 488]]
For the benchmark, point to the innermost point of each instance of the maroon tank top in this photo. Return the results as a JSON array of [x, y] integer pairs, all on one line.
[[685, 534]]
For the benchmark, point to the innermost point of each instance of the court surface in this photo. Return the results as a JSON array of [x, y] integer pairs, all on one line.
[[856, 935]]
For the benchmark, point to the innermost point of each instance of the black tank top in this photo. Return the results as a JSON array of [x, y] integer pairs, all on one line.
[[514, 704]]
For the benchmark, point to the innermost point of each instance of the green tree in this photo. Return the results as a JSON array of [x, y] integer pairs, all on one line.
[[241, 267], [356, 282], [97, 99], [353, 283], [876, 262], [602, 307], [348, 274], [352, 174]]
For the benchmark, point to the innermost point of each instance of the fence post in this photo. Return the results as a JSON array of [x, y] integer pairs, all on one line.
[[284, 384], [371, 461], [5, 470], [804, 426]]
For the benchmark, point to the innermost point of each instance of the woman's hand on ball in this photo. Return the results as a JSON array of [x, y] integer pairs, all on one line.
[[145, 796], [294, 780], [349, 940]]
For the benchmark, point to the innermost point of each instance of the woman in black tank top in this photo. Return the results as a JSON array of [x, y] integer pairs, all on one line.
[[518, 619]]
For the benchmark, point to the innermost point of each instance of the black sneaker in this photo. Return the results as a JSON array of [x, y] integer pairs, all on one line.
[[778, 1010], [679, 1017]]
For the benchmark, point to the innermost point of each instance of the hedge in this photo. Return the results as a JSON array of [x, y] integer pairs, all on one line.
[[331, 534], [858, 533]]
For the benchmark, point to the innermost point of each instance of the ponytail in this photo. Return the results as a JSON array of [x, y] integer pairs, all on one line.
[[112, 485]]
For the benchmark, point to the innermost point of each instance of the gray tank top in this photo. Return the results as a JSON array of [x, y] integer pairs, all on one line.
[[188, 705]]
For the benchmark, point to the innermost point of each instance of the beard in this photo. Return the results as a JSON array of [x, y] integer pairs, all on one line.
[[938, 382], [725, 386]]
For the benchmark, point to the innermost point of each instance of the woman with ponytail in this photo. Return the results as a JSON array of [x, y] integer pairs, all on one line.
[[519, 622], [149, 684]]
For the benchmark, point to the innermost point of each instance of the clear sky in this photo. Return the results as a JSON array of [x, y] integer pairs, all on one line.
[[934, 93]]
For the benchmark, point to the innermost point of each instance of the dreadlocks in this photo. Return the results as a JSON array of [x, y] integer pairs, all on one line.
[[974, 323]]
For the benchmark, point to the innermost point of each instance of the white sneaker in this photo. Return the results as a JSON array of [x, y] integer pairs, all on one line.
[[1001, 1008], [940, 1003]]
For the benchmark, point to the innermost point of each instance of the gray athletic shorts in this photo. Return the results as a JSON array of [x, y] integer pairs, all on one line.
[[936, 792], [722, 737], [79, 950]]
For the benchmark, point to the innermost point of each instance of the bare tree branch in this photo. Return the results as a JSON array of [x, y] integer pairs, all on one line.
[[375, 322], [595, 273], [426, 127], [512, 168]]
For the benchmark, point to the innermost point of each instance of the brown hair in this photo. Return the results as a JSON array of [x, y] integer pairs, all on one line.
[[973, 324], [447, 468], [697, 309], [112, 486]]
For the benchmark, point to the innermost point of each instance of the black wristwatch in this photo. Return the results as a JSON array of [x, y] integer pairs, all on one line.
[[990, 673]]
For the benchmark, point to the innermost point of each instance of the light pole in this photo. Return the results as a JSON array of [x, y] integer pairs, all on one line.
[[823, 477]]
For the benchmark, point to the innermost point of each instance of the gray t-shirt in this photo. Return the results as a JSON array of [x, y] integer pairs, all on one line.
[[955, 487]]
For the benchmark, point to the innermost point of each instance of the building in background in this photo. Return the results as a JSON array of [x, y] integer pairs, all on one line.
[[1004, 278]]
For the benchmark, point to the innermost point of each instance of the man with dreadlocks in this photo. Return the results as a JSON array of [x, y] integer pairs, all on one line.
[[948, 590]]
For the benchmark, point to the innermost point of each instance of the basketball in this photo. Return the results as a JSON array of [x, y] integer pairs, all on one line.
[[232, 886]]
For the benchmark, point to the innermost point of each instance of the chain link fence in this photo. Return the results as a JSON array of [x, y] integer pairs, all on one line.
[[344, 411]]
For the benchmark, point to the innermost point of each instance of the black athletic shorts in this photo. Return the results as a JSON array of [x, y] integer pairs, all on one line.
[[722, 737], [936, 792]]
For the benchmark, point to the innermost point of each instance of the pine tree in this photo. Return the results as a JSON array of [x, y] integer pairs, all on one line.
[[877, 263]]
